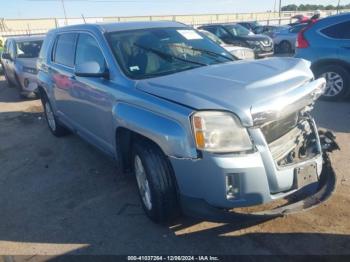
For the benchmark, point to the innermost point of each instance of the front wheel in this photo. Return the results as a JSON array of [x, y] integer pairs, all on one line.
[[338, 82], [9, 82], [56, 128], [155, 181]]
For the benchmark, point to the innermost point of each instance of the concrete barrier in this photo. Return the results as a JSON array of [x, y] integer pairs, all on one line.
[[13, 27]]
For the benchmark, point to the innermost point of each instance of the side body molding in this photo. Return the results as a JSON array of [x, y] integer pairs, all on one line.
[[171, 135]]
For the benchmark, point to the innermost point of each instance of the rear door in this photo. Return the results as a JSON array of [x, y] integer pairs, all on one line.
[[62, 71]]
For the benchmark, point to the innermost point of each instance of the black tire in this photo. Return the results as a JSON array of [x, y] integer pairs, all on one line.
[[58, 129], [343, 73], [285, 47], [9, 82], [158, 171]]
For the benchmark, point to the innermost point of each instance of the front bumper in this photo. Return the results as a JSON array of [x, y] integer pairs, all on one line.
[[299, 201], [255, 177], [264, 54], [263, 51], [28, 82]]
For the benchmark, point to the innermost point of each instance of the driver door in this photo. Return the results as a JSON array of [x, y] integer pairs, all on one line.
[[93, 101]]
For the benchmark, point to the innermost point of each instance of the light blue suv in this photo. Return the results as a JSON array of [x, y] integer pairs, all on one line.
[[197, 128], [326, 44]]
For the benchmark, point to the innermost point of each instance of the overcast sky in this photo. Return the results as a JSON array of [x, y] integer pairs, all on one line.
[[74, 8]]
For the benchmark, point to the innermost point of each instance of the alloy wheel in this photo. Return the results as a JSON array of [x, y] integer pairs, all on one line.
[[142, 182], [50, 117], [335, 83]]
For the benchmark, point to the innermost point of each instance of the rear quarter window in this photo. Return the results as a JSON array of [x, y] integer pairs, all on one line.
[[338, 31], [65, 49]]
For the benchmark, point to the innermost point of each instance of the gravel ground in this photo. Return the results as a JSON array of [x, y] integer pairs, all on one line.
[[62, 196]]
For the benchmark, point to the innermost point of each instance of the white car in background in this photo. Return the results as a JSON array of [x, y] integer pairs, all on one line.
[[240, 52]]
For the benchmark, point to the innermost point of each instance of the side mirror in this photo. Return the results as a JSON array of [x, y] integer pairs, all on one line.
[[6, 56], [91, 69]]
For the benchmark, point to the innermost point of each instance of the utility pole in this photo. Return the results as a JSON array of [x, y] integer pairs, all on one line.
[[64, 12], [280, 8], [279, 11], [338, 6]]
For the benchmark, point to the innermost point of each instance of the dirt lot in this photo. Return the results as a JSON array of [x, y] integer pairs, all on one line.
[[60, 195]]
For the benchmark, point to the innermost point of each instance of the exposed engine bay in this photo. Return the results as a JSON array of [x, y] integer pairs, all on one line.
[[293, 139]]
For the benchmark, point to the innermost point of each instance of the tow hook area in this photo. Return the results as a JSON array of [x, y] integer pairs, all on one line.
[[303, 199]]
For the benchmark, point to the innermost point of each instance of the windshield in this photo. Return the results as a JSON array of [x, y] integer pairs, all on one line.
[[28, 49], [159, 51], [212, 37], [238, 30]]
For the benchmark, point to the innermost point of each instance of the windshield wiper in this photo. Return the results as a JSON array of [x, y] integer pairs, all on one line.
[[164, 54], [203, 51]]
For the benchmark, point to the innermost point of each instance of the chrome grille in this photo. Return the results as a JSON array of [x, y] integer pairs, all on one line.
[[277, 129]]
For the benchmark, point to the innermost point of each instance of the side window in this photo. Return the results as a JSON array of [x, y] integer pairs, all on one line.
[[6, 46], [338, 31], [65, 49], [11, 49], [89, 51]]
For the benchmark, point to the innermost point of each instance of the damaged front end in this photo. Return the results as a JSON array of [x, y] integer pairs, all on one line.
[[303, 199], [295, 153], [293, 139], [314, 192], [295, 143]]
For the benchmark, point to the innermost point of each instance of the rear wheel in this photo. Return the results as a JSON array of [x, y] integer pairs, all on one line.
[[56, 128], [285, 47], [338, 82], [155, 182]]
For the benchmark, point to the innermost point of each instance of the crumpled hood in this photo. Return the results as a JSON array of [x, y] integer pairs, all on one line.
[[246, 88]]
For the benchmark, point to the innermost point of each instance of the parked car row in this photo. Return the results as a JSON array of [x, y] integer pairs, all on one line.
[[236, 34], [240, 52], [173, 106]]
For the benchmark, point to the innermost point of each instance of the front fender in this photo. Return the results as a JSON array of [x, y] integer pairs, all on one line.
[[169, 134]]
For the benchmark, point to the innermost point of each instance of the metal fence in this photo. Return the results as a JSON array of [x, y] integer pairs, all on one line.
[[15, 27]]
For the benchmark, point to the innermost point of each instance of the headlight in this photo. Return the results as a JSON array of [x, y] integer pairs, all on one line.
[[238, 53], [253, 43], [220, 132], [30, 70]]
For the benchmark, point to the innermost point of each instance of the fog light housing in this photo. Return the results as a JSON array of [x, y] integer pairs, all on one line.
[[233, 186], [26, 82]]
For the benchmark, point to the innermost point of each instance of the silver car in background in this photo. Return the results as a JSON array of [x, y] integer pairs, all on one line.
[[285, 40], [19, 63], [240, 52]]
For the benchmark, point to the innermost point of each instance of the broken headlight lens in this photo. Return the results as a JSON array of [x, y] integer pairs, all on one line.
[[220, 132]]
